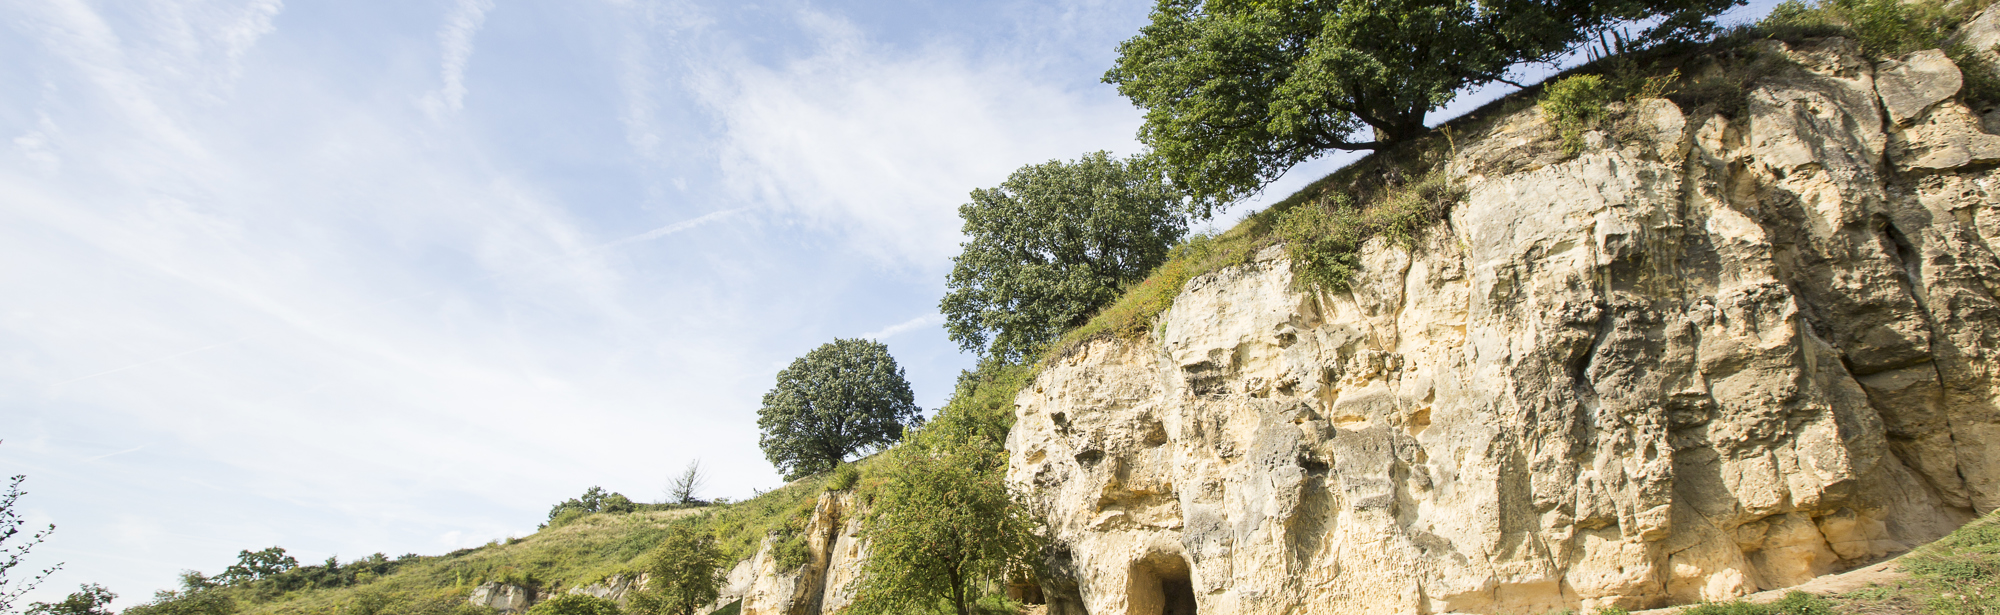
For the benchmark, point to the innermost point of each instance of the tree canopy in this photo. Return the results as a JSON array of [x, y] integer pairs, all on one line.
[[1051, 246], [846, 396], [1238, 91], [91, 599]]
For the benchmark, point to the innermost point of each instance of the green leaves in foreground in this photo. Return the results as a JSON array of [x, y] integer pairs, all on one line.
[[943, 523], [843, 397], [1052, 245]]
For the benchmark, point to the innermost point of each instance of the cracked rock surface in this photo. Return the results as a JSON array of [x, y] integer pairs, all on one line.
[[1709, 357]]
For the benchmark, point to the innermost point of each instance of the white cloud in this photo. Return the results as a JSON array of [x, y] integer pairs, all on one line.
[[39, 148], [901, 327], [875, 142], [455, 41]]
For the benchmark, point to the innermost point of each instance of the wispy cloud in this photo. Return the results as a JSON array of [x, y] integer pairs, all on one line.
[[907, 325], [455, 41], [882, 143]]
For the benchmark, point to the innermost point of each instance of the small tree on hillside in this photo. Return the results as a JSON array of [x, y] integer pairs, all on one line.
[[943, 523], [686, 487], [1237, 92], [1051, 246], [686, 570], [843, 397]]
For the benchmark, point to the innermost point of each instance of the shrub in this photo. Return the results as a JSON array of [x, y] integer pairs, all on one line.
[[844, 477], [1324, 239], [1574, 104]]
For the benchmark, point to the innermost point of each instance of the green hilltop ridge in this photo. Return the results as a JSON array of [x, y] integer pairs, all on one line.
[[1396, 194]]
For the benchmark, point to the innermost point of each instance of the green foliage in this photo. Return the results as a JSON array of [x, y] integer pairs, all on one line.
[[1133, 314], [943, 524], [1794, 603], [1887, 28], [686, 570], [1574, 104], [844, 477], [1883, 27], [197, 596], [378, 601], [1237, 92], [13, 588], [594, 500], [1324, 238], [1053, 244], [844, 397], [256, 565], [92, 599], [1960, 573], [575, 604]]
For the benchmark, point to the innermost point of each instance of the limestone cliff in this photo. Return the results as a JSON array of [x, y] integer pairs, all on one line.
[[834, 551], [1709, 356]]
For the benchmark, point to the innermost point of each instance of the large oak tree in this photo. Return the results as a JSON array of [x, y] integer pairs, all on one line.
[[1238, 91]]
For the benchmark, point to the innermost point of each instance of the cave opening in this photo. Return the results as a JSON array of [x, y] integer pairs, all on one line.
[[1160, 585]]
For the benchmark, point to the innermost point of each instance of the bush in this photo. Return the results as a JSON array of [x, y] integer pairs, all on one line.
[[575, 604], [844, 477], [1324, 239]]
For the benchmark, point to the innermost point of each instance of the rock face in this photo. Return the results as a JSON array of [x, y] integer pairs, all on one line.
[[834, 556], [617, 589], [1716, 356], [502, 597]]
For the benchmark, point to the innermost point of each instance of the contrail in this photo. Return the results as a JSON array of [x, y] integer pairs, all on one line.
[[117, 453], [145, 363], [672, 228], [646, 236]]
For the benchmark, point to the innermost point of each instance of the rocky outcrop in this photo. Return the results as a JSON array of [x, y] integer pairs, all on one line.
[[1709, 356], [502, 597], [834, 555], [618, 588]]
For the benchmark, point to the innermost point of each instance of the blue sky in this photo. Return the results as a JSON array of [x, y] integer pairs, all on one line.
[[348, 277]]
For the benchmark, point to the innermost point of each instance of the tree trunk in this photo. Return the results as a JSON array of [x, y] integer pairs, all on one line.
[[957, 591]]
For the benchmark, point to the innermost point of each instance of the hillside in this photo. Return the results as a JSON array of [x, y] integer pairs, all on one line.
[[1721, 326]]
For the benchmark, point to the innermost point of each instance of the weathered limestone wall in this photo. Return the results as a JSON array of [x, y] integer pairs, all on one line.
[[821, 585], [1717, 356]]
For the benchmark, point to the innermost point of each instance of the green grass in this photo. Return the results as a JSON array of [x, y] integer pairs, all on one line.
[[1794, 603]]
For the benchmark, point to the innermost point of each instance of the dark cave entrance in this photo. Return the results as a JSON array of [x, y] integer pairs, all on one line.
[[1160, 584]]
